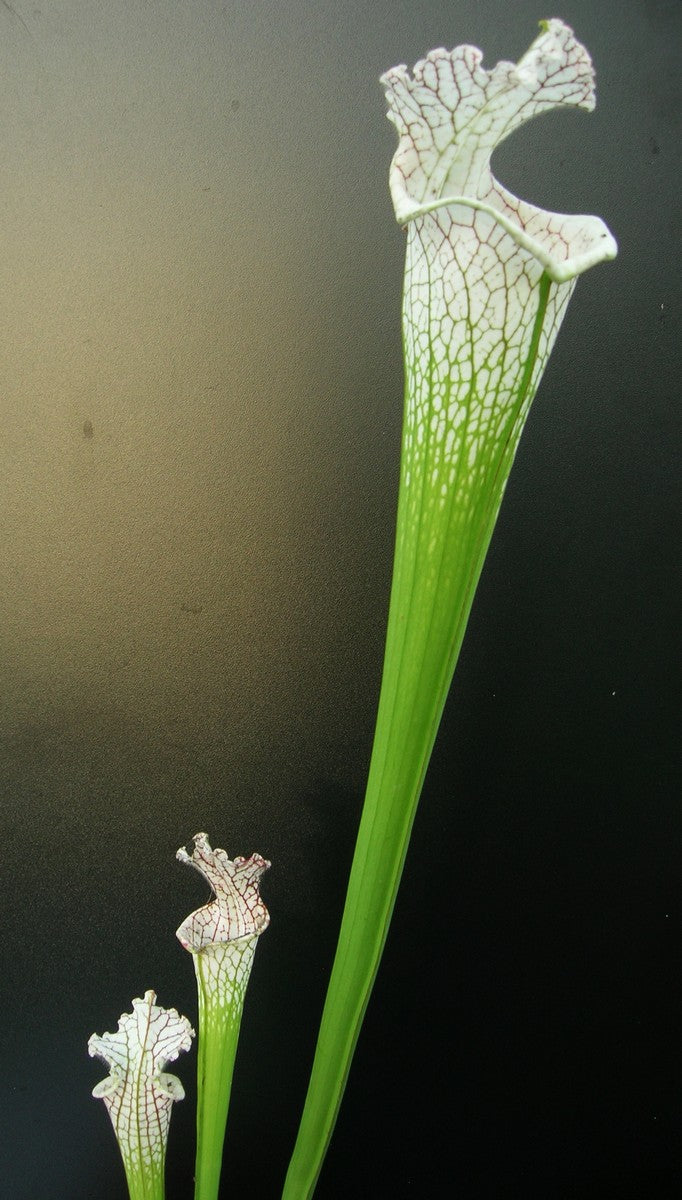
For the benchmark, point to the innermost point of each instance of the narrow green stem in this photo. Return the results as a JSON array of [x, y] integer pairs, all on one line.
[[439, 556], [218, 1039]]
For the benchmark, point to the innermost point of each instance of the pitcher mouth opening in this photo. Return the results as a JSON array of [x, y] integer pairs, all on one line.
[[601, 247], [451, 113]]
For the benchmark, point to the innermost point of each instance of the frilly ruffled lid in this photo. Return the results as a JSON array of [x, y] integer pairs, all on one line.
[[146, 1040], [237, 910], [451, 114]]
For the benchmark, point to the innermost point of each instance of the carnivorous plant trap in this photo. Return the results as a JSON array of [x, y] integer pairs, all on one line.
[[487, 280]]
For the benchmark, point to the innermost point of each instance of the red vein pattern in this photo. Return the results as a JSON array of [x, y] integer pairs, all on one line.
[[452, 113], [138, 1093], [225, 932]]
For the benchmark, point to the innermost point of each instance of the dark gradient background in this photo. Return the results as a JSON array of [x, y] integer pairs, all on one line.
[[201, 407]]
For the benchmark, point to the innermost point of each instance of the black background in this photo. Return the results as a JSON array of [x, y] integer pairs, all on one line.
[[524, 1033]]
